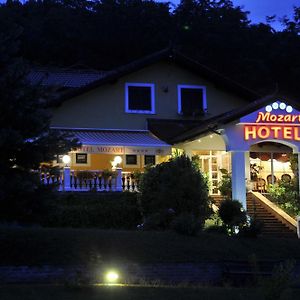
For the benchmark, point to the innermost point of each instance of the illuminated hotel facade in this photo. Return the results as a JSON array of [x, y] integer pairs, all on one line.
[[167, 102]]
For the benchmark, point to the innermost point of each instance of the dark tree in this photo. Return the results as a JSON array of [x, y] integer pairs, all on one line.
[[25, 137], [176, 185], [104, 34]]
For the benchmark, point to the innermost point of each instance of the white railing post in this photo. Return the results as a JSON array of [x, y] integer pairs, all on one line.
[[119, 183], [67, 178]]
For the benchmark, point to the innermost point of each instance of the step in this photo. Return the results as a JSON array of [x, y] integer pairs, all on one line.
[[272, 227]]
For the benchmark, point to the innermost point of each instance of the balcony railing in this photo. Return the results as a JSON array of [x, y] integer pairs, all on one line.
[[87, 181]]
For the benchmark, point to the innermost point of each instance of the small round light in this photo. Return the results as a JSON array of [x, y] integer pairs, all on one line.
[[66, 159], [268, 108], [111, 277], [275, 105], [211, 136], [282, 105], [118, 159], [289, 109]]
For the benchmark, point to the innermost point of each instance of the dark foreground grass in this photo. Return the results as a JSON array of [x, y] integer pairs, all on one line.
[[34, 246], [131, 293]]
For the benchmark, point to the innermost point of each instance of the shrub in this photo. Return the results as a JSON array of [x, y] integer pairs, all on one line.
[[220, 229], [225, 186], [232, 214], [285, 194], [158, 221], [101, 210], [177, 184], [187, 224], [252, 230], [215, 225]]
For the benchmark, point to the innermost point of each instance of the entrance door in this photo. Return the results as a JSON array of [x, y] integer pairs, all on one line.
[[209, 165]]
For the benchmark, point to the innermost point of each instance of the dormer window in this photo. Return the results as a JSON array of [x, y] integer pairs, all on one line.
[[191, 100], [139, 98]]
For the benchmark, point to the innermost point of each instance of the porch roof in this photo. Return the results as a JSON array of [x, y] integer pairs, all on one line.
[[115, 137], [212, 124]]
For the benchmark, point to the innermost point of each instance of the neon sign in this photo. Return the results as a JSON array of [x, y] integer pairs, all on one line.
[[276, 122], [252, 132], [268, 117]]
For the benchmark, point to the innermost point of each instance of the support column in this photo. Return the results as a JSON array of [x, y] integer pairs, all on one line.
[[238, 177], [119, 184], [249, 186], [67, 178], [298, 172]]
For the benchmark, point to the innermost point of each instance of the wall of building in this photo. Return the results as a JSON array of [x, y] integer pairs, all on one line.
[[104, 107], [97, 162]]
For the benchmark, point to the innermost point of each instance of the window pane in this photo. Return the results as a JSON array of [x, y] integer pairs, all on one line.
[[139, 98], [131, 160], [81, 158], [149, 159], [191, 101]]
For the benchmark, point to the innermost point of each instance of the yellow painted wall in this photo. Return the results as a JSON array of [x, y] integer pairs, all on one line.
[[103, 161], [104, 107]]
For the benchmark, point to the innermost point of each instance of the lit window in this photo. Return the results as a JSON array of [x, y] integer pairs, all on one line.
[[81, 158], [149, 160], [131, 159], [139, 98], [191, 100]]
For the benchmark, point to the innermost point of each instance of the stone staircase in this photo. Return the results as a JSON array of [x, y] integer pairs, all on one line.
[[274, 226], [217, 199]]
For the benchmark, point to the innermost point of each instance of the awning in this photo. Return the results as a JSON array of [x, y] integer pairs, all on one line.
[[120, 142]]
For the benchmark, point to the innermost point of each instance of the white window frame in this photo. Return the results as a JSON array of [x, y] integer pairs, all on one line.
[[152, 86], [184, 86], [73, 160]]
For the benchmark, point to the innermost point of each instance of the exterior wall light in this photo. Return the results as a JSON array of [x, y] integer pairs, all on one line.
[[280, 105], [118, 160], [66, 159], [116, 168]]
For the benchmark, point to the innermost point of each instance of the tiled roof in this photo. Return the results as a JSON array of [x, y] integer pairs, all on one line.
[[116, 138], [170, 55], [64, 78]]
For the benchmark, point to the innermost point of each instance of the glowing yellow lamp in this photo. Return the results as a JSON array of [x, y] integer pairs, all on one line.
[[66, 159], [111, 277], [118, 160]]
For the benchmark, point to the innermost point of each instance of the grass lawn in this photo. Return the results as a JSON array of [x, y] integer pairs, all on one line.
[[38, 246], [132, 293]]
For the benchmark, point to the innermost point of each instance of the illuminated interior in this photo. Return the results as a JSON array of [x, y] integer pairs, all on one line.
[[269, 163]]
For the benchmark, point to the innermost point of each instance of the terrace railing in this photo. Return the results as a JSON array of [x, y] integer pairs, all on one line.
[[87, 181]]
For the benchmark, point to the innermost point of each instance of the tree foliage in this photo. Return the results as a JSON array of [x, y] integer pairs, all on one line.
[[104, 34], [176, 185], [25, 137], [232, 214]]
